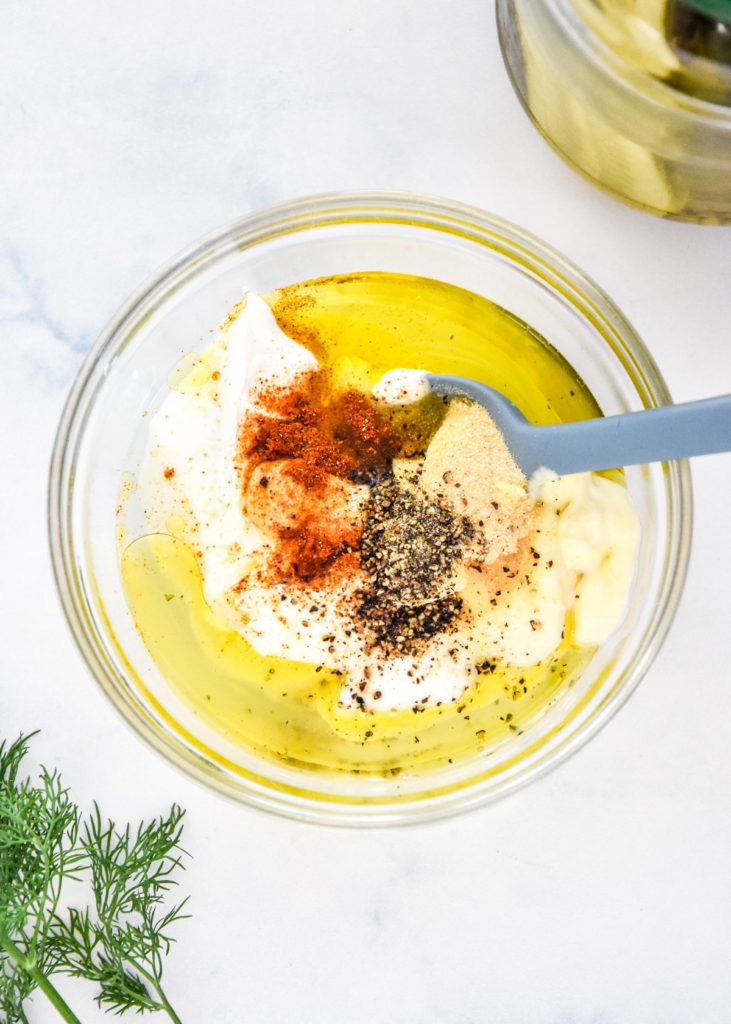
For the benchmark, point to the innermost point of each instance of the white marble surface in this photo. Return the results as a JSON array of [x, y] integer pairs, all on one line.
[[601, 894]]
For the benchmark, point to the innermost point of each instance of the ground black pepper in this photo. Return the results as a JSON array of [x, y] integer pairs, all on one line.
[[409, 547]]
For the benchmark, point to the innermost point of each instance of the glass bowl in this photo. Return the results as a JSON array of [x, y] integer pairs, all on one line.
[[98, 442], [619, 92]]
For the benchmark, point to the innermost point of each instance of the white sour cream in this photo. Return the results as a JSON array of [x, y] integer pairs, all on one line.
[[401, 387]]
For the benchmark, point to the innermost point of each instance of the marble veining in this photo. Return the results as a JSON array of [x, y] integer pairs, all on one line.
[[599, 895]]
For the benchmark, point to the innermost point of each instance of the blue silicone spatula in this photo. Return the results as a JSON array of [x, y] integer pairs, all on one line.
[[651, 435]]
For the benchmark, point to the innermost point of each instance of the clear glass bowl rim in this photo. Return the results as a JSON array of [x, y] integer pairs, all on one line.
[[325, 210]]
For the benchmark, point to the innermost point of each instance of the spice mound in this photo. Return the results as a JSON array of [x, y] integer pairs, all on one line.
[[392, 540]]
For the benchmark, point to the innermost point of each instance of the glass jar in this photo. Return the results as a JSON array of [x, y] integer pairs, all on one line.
[[636, 94]]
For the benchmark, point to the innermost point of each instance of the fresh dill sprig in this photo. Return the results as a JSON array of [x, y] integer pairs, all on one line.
[[120, 942], [39, 829], [122, 947]]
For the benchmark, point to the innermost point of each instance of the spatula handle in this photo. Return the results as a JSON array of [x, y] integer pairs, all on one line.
[[651, 435]]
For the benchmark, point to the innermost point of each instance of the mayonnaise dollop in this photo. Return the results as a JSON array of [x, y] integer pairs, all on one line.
[[401, 387], [560, 556]]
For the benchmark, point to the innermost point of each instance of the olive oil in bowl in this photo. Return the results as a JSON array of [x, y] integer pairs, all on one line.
[[358, 326]]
